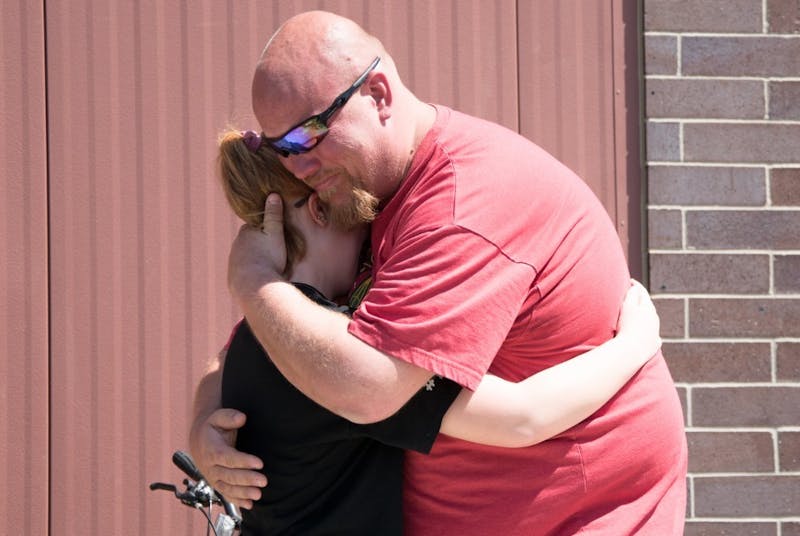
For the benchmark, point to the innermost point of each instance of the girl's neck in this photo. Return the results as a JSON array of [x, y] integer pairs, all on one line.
[[305, 272]]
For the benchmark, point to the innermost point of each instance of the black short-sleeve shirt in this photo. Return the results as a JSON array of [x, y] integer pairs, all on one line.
[[326, 475]]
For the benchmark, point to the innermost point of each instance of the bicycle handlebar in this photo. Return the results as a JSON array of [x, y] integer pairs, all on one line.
[[199, 493], [186, 464]]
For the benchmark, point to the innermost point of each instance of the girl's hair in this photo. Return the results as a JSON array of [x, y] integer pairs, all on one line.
[[248, 173]]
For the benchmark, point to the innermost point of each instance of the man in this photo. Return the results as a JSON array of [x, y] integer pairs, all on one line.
[[488, 256]]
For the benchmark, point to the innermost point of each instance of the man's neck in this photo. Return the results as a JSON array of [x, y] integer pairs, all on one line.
[[425, 118]]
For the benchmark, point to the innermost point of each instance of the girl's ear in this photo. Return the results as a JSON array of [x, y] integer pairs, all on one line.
[[317, 210]]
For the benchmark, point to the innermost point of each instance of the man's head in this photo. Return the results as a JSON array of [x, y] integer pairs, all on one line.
[[368, 135]]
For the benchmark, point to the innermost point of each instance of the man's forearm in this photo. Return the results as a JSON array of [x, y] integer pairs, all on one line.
[[311, 346]]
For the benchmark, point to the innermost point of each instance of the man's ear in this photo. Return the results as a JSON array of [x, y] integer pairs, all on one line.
[[381, 93], [317, 210]]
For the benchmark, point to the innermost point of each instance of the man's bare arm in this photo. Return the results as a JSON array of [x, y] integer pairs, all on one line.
[[308, 343], [311, 347]]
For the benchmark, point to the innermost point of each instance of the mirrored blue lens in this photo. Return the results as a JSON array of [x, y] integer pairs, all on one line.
[[302, 138]]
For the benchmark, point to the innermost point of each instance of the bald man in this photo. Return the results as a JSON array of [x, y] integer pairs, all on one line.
[[489, 256]]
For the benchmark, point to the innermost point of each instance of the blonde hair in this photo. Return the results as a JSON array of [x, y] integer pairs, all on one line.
[[248, 176]]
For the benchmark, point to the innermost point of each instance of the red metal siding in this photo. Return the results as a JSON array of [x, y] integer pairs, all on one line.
[[579, 76], [629, 175], [462, 54], [568, 81], [23, 270], [129, 256], [139, 239]]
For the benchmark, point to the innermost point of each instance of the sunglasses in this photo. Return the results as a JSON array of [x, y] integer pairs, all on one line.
[[306, 134]]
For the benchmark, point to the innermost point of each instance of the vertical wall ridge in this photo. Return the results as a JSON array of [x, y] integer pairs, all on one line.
[[24, 294]]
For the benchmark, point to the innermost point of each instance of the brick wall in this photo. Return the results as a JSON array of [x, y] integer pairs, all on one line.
[[722, 94]]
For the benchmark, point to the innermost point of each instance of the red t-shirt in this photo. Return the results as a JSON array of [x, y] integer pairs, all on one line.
[[493, 256]]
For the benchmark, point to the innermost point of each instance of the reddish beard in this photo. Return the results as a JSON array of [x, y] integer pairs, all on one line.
[[360, 207]]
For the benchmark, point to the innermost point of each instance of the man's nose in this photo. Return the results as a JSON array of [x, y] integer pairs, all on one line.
[[301, 166]]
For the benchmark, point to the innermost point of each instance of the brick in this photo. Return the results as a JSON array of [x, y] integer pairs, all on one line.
[[788, 361], [757, 143], [730, 528], [733, 229], [783, 16], [663, 142], [777, 405], [790, 528], [785, 186], [714, 99], [789, 451], [703, 362], [747, 496], [787, 274], [683, 396], [706, 185], [671, 313], [784, 100], [744, 317], [664, 229], [660, 54], [702, 15], [740, 56], [697, 273], [730, 452]]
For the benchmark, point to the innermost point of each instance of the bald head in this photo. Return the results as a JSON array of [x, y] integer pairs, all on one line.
[[322, 37], [370, 138], [312, 55]]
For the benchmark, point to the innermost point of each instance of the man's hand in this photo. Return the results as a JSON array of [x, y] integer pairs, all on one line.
[[258, 256], [234, 473]]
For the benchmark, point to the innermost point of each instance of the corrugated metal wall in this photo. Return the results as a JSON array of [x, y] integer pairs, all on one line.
[[579, 99], [24, 372], [114, 226], [139, 235]]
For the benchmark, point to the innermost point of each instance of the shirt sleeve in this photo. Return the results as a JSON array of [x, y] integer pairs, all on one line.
[[444, 300], [416, 425]]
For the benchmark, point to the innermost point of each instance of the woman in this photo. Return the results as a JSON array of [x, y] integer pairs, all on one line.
[[327, 475]]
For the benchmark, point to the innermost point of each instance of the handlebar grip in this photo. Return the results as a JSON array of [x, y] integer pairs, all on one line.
[[186, 464], [161, 485]]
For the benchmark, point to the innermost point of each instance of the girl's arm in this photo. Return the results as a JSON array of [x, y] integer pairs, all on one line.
[[508, 414]]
